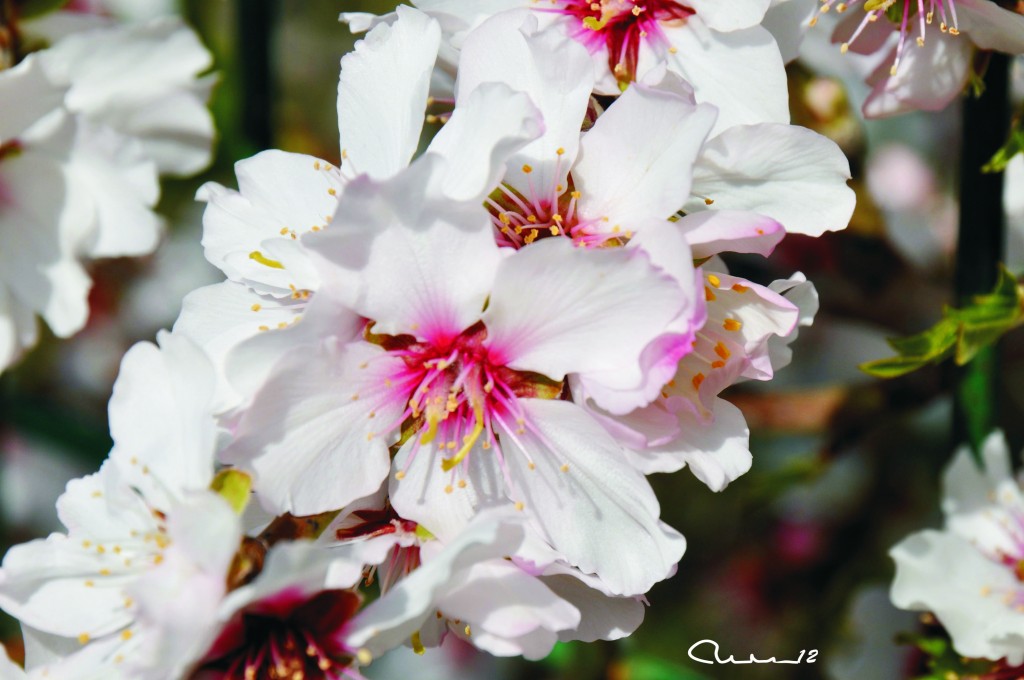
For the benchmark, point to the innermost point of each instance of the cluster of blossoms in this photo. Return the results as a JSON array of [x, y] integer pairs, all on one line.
[[437, 377], [81, 153]]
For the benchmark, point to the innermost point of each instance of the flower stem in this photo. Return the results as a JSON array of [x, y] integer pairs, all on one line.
[[980, 245]]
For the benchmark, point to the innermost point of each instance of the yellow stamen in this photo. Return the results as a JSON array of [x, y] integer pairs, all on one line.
[[448, 463], [259, 257]]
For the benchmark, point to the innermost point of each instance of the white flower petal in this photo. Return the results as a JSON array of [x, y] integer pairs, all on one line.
[[26, 95], [390, 620], [715, 231], [58, 584], [637, 161], [486, 128], [221, 317], [161, 419], [557, 74], [802, 293], [716, 452], [740, 72], [18, 328], [509, 607], [966, 488], [281, 196], [946, 575], [597, 501], [602, 617], [412, 264], [308, 437], [382, 94], [552, 300], [323, 319], [51, 576], [795, 176], [124, 187], [730, 16], [156, 64], [42, 221], [788, 22], [431, 497], [991, 27]]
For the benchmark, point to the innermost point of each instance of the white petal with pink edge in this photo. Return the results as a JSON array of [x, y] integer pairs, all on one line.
[[929, 77], [736, 231]]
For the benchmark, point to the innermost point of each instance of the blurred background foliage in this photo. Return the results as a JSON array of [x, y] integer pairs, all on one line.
[[792, 555]]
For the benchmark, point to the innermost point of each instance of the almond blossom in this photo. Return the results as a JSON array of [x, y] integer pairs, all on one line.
[[148, 505], [969, 573], [424, 402], [84, 192], [253, 234], [461, 385], [154, 578], [722, 51], [79, 158], [622, 182], [931, 47], [159, 97]]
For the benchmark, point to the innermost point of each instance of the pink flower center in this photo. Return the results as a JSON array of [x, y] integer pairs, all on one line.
[[288, 635], [1011, 528], [900, 12], [520, 218], [456, 391], [620, 26]]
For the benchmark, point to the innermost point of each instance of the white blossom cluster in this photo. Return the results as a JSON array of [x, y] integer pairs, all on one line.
[[87, 126], [437, 374]]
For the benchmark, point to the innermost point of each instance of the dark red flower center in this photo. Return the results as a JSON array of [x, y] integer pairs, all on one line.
[[289, 636]]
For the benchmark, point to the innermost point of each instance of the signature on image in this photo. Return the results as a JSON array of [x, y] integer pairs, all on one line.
[[701, 656]]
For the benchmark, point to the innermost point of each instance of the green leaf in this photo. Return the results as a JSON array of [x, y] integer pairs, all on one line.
[[27, 9], [234, 487], [989, 318], [892, 368], [1014, 145], [961, 333]]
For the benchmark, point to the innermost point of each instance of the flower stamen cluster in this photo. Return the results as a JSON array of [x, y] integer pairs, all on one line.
[[901, 14]]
